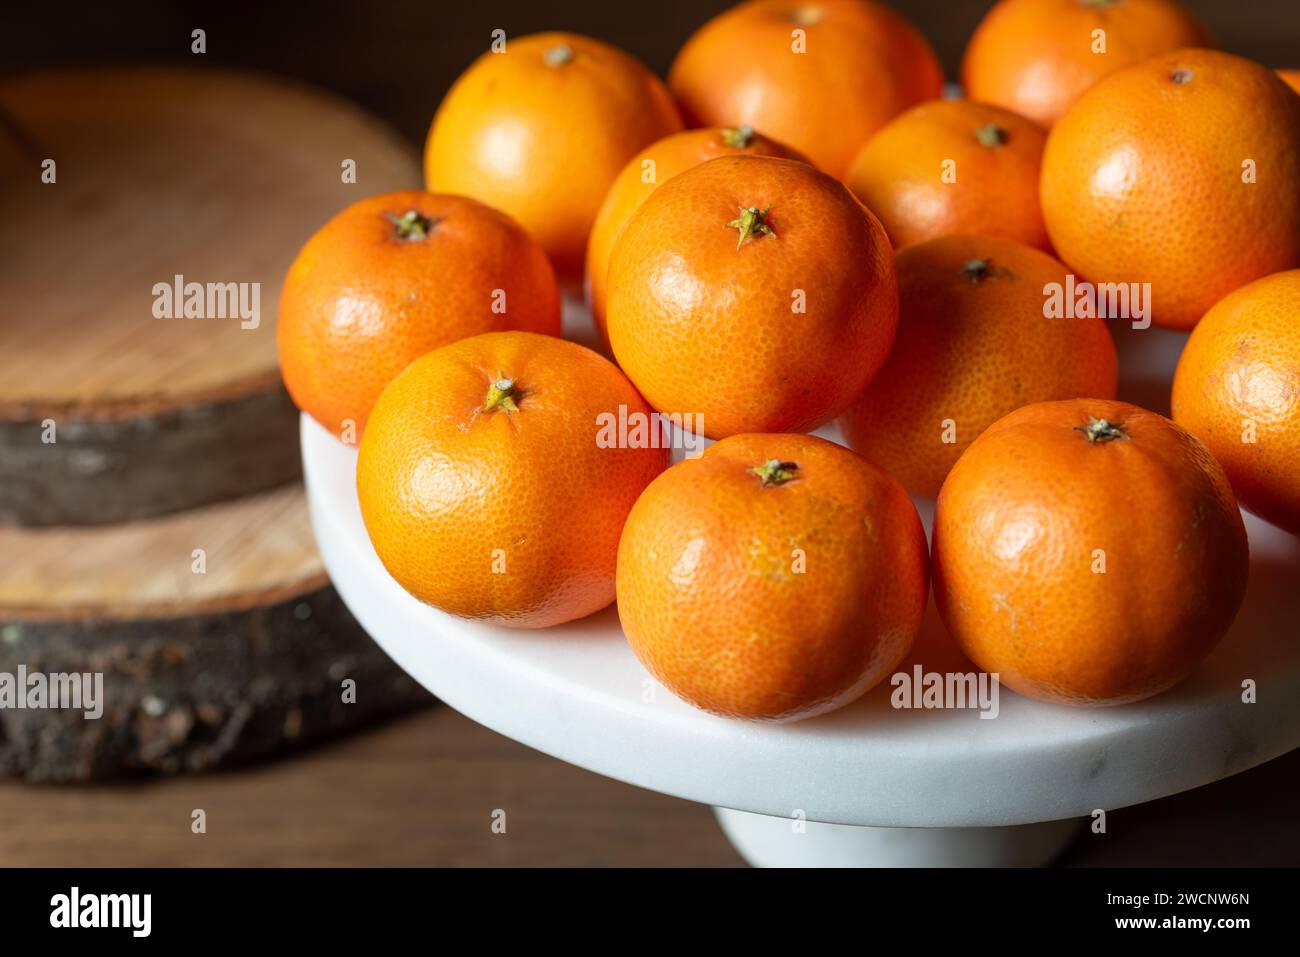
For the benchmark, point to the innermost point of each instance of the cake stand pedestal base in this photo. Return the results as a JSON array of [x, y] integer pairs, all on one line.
[[766, 841]]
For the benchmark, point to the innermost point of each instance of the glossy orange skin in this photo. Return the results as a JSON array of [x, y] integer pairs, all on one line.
[[1016, 533], [543, 140], [1036, 56], [712, 598], [701, 326], [360, 302], [1143, 180], [862, 65], [970, 351], [671, 155], [1242, 364], [1291, 78], [508, 517], [899, 174]]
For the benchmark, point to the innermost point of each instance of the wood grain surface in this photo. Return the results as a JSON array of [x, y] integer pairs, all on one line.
[[419, 792], [187, 694], [422, 792], [168, 187], [255, 549], [200, 668], [213, 175]]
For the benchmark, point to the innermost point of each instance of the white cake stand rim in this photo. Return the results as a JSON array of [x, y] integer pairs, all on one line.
[[575, 693]]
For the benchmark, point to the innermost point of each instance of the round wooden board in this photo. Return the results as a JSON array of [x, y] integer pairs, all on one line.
[[225, 557], [213, 176], [216, 631]]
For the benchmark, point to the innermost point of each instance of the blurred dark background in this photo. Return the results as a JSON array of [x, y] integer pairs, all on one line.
[[396, 58]]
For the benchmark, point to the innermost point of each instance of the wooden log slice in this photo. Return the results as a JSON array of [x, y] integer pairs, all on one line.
[[213, 176], [216, 631]]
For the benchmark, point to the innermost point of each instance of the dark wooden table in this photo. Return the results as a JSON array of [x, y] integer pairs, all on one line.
[[423, 791], [420, 791]]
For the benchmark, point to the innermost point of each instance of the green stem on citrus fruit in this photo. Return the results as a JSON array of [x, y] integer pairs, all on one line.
[[774, 472], [1101, 431], [752, 222], [740, 138], [502, 394], [558, 55], [977, 270], [991, 136], [411, 225]]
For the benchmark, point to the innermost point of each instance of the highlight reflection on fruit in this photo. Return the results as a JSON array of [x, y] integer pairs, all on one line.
[[830, 240], [973, 345], [754, 291], [821, 75], [541, 129], [1183, 172], [1089, 552], [987, 161], [717, 596], [1037, 57], [482, 484], [1237, 389], [646, 172], [390, 278]]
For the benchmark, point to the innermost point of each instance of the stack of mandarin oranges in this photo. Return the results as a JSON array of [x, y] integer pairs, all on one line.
[[800, 229]]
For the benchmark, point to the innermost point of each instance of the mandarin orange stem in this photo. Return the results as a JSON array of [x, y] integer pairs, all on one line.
[[977, 270], [740, 138], [1101, 431], [558, 55], [991, 136], [502, 394], [752, 222], [774, 472], [411, 225]]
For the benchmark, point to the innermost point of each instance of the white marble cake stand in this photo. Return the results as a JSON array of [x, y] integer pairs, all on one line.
[[884, 786]]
